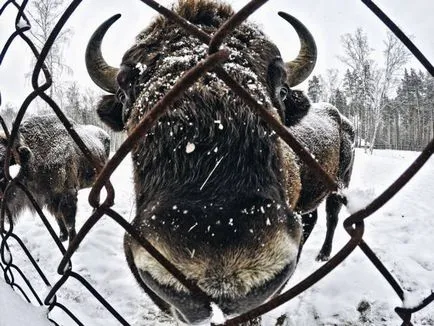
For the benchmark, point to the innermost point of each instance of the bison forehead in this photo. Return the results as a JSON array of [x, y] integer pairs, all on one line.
[[178, 52]]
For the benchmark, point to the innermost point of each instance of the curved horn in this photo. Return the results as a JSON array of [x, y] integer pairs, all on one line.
[[101, 73], [301, 67]]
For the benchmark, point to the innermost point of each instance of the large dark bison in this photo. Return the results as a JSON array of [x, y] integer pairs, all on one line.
[[53, 168], [217, 192]]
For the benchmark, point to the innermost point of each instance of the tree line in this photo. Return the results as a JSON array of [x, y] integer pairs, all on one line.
[[391, 106], [78, 104]]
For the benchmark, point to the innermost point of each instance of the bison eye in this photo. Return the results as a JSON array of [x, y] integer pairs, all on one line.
[[283, 93]]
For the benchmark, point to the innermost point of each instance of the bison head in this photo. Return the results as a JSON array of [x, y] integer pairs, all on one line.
[[214, 185]]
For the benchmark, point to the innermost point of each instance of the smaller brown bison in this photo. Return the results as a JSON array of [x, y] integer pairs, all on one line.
[[53, 168]]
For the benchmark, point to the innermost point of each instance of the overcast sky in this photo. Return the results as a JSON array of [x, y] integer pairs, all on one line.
[[326, 19]]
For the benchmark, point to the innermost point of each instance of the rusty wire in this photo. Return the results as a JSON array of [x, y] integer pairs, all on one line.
[[354, 224]]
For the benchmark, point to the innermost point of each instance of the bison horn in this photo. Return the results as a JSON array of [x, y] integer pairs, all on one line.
[[101, 73], [301, 67]]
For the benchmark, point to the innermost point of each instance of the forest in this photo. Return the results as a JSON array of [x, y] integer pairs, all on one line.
[[390, 105]]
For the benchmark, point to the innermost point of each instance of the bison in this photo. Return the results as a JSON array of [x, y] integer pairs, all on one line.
[[53, 168], [218, 193]]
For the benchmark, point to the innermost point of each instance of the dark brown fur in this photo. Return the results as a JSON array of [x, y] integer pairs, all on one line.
[[216, 189]]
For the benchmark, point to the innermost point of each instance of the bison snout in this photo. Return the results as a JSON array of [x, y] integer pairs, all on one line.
[[191, 310]]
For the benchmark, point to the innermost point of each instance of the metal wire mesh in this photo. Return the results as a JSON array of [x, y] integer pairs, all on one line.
[[354, 224]]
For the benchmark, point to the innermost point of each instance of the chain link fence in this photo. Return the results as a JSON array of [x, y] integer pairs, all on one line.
[[354, 224]]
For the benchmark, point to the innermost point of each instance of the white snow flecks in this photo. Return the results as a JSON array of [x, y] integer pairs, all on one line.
[[190, 148], [14, 170], [192, 227], [142, 67]]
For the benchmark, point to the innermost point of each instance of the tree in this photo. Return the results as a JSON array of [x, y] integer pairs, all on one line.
[[80, 106], [330, 84], [43, 16], [415, 109], [358, 80], [72, 106], [338, 99], [315, 89], [368, 85], [428, 104], [395, 57]]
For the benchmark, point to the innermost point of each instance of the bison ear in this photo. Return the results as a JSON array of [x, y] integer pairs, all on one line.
[[109, 110], [297, 105]]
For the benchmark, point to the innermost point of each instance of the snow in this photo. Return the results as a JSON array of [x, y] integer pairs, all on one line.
[[18, 312], [358, 198], [22, 23], [190, 148], [355, 293], [14, 170], [217, 316]]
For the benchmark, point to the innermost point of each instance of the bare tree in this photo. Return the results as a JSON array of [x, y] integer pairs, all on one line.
[[357, 50], [396, 56], [358, 59], [43, 16], [372, 83], [331, 84]]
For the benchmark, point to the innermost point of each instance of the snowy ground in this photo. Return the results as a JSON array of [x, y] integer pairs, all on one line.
[[400, 233]]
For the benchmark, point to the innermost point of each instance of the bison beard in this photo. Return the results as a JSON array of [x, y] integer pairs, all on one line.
[[222, 211]]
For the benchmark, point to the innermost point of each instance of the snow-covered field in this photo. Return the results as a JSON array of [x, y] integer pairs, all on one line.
[[401, 233]]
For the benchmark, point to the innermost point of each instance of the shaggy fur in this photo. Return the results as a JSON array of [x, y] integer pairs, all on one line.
[[53, 168], [216, 189], [329, 137]]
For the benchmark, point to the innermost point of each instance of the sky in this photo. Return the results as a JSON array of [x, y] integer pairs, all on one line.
[[327, 20]]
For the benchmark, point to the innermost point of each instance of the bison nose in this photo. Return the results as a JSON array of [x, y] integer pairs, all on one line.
[[192, 310]]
